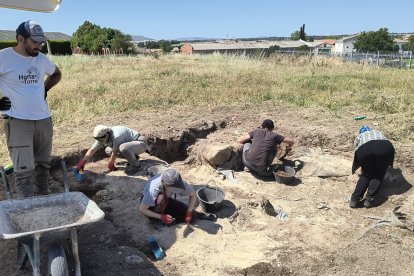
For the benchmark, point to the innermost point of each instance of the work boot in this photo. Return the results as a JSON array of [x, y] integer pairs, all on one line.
[[369, 202], [353, 202], [132, 169]]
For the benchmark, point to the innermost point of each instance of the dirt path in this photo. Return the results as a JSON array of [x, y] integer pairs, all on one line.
[[321, 235]]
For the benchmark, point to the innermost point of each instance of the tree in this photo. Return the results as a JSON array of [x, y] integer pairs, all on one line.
[[410, 45], [165, 46], [374, 41], [301, 34], [84, 36], [303, 48], [92, 38], [271, 49], [295, 35]]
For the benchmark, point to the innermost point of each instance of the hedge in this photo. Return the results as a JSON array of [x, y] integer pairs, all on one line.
[[59, 47]]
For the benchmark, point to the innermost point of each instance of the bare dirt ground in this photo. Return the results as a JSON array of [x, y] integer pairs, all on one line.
[[321, 235]]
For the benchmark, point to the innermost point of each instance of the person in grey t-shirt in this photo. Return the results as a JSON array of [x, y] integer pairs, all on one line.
[[117, 139], [157, 202]]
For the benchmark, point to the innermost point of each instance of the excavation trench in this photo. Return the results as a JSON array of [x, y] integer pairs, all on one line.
[[318, 213]]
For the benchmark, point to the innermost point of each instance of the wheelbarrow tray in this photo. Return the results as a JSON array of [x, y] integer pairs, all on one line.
[[35, 215]]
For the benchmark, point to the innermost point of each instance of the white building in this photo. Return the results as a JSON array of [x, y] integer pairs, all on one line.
[[345, 45]]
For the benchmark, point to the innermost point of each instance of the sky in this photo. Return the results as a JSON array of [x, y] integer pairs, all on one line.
[[166, 19]]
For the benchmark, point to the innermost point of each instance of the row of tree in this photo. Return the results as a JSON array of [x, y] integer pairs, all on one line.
[[160, 44], [92, 38]]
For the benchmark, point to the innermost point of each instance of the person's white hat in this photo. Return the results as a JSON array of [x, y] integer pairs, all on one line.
[[100, 130]]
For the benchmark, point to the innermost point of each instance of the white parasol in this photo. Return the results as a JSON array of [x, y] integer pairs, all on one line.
[[32, 5]]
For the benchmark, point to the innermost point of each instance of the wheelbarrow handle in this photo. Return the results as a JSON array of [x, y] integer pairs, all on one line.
[[65, 176], [6, 183]]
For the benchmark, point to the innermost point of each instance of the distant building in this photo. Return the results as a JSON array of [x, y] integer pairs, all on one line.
[[292, 45], [225, 46], [398, 43], [345, 45], [341, 47], [241, 47], [324, 46]]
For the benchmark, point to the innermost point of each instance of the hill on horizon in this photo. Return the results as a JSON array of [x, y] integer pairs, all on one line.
[[140, 38], [11, 35]]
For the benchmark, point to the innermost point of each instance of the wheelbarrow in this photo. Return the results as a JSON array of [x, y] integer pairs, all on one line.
[[49, 220]]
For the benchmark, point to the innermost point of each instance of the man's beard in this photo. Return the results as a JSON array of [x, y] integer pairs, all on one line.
[[32, 52]]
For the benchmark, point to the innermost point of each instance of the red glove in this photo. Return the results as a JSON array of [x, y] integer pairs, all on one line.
[[188, 217], [81, 165], [111, 166], [167, 219]]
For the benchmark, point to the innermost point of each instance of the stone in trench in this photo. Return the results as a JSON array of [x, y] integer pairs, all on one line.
[[217, 154]]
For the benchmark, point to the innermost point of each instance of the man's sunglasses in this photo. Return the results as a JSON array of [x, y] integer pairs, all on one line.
[[36, 42]]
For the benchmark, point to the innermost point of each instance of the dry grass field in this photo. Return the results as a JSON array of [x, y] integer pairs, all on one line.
[[313, 100], [107, 86]]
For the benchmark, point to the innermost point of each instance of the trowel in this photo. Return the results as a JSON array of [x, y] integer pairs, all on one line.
[[188, 230]]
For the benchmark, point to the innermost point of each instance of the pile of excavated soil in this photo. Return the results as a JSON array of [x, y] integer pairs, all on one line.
[[45, 217]]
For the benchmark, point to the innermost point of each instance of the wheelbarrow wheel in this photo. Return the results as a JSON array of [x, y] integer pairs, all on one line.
[[56, 260]]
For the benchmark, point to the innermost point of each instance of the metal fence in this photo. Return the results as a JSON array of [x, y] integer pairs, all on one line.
[[396, 60]]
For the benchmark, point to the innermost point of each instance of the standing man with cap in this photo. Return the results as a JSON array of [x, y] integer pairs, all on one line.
[[260, 147], [28, 123], [374, 154], [157, 202], [117, 139]]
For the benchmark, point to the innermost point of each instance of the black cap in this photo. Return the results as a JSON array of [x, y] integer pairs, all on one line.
[[268, 124], [32, 30]]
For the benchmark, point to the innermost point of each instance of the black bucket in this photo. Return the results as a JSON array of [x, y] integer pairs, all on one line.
[[211, 198], [284, 175]]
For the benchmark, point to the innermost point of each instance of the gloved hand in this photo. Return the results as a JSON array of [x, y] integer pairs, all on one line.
[[188, 217], [111, 166], [5, 104], [81, 165], [167, 219]]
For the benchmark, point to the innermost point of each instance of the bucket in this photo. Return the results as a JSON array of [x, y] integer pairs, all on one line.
[[211, 198], [284, 175]]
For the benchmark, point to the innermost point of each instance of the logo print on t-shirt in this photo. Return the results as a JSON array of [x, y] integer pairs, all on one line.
[[32, 76]]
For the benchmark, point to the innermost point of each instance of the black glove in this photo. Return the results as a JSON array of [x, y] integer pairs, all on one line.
[[5, 104]]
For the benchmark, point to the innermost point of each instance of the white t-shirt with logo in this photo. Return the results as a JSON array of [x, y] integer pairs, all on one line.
[[22, 81]]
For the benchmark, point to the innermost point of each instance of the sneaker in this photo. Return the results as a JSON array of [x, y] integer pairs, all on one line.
[[369, 202], [353, 202], [205, 216], [132, 169]]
